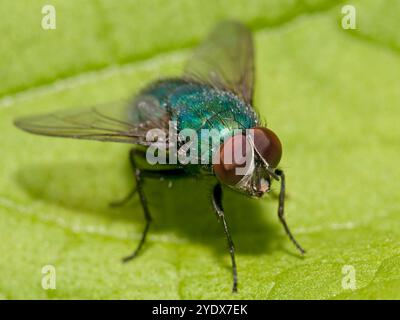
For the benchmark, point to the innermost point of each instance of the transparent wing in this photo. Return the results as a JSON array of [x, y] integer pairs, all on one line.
[[123, 121], [225, 60]]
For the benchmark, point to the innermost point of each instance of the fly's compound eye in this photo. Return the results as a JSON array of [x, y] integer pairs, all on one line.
[[235, 160], [268, 145]]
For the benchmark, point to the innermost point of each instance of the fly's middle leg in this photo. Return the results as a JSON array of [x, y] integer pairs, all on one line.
[[140, 174], [143, 201], [121, 202]]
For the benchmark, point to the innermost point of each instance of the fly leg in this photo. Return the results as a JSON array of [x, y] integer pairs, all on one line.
[[130, 195], [140, 174], [143, 201], [281, 207], [124, 200], [217, 204]]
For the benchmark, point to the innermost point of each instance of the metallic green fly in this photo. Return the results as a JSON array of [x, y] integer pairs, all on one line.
[[215, 92]]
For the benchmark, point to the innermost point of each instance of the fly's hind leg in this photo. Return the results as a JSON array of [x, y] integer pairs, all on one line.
[[124, 200], [140, 174]]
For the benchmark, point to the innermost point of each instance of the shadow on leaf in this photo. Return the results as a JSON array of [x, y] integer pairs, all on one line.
[[182, 205]]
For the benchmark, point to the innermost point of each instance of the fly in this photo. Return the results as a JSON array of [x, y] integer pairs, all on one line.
[[215, 92]]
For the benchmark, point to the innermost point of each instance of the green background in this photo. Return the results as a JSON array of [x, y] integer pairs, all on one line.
[[332, 95]]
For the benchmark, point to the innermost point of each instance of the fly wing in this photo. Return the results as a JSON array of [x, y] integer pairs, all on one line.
[[225, 60], [123, 121]]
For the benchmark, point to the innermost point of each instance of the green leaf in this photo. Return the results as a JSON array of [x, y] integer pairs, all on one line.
[[331, 95]]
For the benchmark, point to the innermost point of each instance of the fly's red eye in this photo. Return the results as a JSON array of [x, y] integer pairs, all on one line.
[[268, 145], [231, 165]]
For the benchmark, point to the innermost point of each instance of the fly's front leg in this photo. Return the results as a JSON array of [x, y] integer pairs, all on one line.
[[281, 208], [217, 204]]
